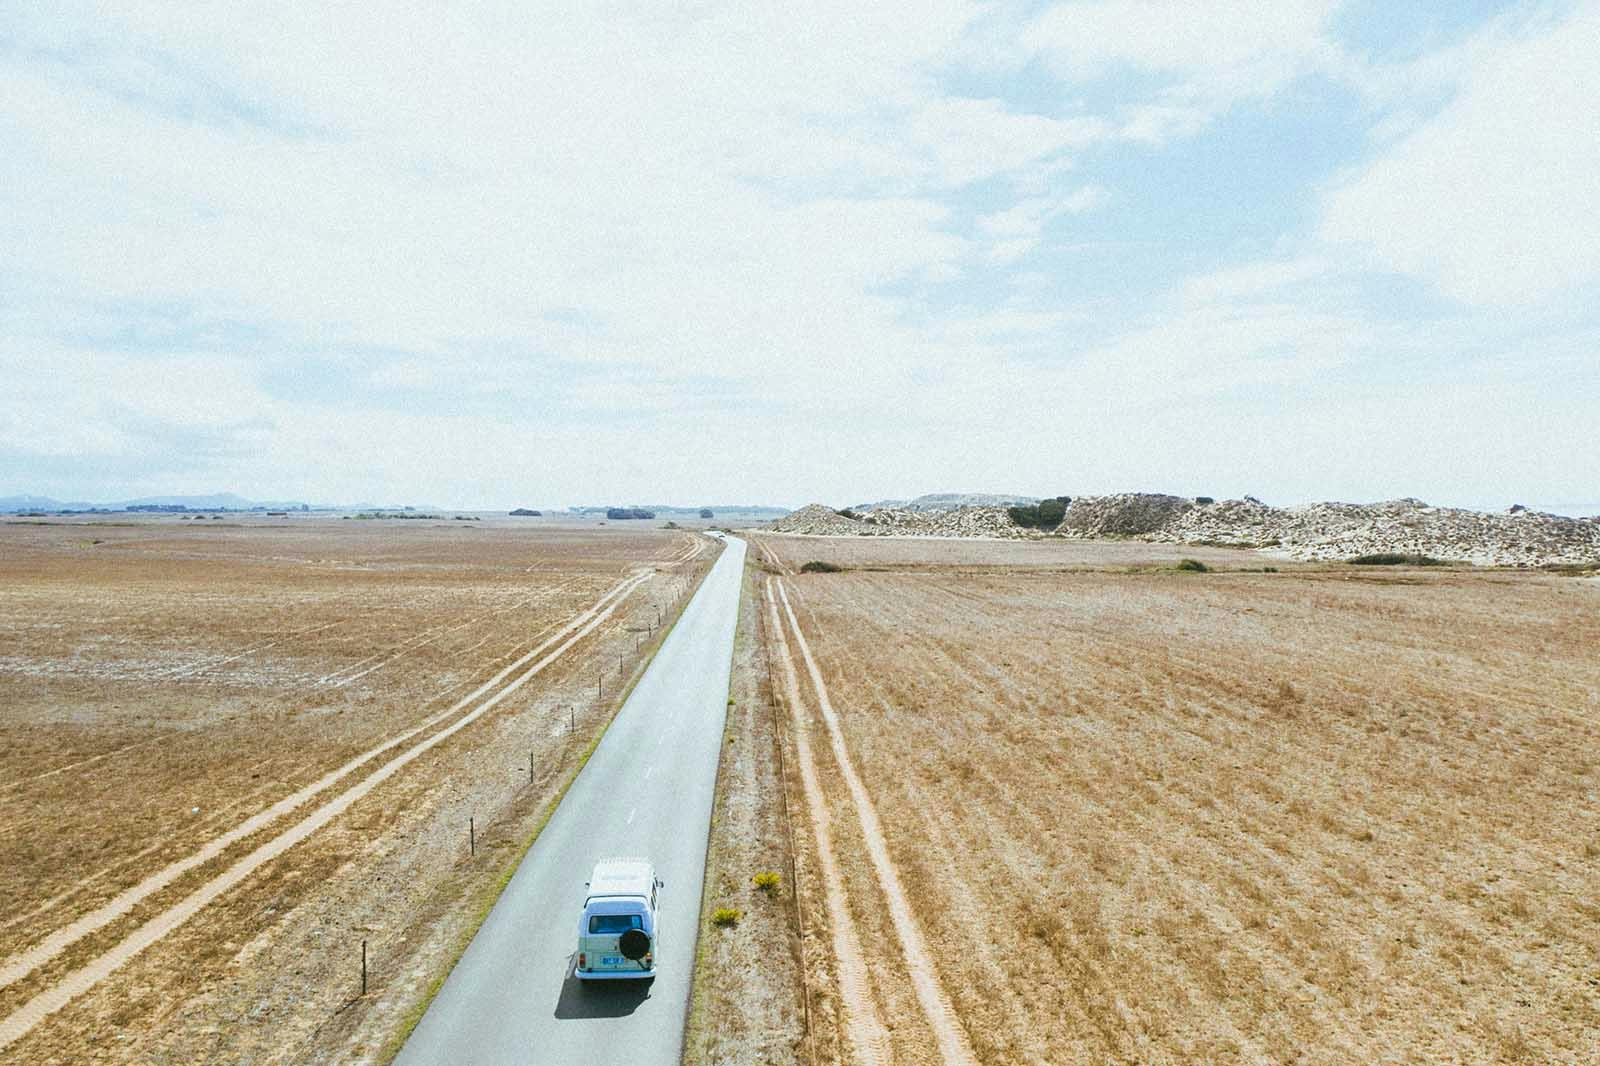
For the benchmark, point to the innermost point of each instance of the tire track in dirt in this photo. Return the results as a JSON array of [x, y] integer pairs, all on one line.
[[771, 556], [89, 880], [867, 1034], [16, 785], [19, 966], [194, 671], [953, 1044], [21, 1021], [419, 640]]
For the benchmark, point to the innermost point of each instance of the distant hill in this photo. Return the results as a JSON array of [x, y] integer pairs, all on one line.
[[217, 501], [948, 501], [691, 511], [26, 502]]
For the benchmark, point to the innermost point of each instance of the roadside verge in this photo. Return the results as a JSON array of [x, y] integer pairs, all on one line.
[[748, 1004]]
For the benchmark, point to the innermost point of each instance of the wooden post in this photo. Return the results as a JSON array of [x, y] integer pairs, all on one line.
[[363, 967], [472, 837], [572, 719], [530, 766]]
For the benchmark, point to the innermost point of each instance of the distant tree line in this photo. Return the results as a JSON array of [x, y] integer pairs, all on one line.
[[620, 513]]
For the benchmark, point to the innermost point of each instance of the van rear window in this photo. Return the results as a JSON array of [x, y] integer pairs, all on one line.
[[614, 923]]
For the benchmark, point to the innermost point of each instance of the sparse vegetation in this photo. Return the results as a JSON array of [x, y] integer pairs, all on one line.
[[1573, 569], [767, 881], [1395, 559], [726, 917], [1193, 565], [818, 566]]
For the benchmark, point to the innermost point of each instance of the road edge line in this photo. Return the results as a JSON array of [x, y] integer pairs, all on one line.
[[414, 1014]]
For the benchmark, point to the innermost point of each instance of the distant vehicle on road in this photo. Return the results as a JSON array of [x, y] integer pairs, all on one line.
[[617, 934]]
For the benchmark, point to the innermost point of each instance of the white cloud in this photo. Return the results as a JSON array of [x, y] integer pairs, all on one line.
[[1251, 280], [1209, 53], [974, 139], [1185, 37], [1016, 231], [1496, 199]]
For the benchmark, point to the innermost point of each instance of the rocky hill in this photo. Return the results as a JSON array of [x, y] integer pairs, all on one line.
[[1517, 537], [946, 501]]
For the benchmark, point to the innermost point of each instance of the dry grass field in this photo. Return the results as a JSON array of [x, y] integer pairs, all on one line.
[[178, 696], [1325, 815]]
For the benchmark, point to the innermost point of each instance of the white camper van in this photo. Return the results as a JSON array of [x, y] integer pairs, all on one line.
[[617, 934]]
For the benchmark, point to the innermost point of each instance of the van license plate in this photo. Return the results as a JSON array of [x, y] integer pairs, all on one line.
[[611, 960]]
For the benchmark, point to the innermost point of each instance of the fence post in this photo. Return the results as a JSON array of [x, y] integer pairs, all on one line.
[[472, 837], [363, 967]]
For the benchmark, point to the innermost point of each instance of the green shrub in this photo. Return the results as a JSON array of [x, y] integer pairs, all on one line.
[[817, 566], [1194, 565], [845, 512], [1395, 559], [1027, 517], [1051, 512], [726, 917], [767, 881]]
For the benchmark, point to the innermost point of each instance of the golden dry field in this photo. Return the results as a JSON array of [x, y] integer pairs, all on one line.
[[1095, 809], [263, 740]]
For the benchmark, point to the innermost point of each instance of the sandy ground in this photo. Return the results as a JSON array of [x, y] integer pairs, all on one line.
[[748, 1003], [165, 683], [1323, 815]]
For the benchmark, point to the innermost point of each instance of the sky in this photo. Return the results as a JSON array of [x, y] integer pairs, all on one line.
[[502, 254]]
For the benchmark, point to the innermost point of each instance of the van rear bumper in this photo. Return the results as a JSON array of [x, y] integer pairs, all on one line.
[[612, 975]]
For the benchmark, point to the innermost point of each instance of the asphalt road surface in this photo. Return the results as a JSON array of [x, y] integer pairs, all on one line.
[[646, 792]]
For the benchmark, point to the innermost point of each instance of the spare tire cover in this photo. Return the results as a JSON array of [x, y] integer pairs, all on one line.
[[634, 944]]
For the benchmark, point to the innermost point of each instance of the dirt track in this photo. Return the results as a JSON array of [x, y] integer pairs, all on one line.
[[952, 1041], [868, 1040]]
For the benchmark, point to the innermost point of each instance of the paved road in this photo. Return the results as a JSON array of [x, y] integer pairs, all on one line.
[[647, 791]]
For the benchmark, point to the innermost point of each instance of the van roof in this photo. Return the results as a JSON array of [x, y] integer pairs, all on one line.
[[622, 877]]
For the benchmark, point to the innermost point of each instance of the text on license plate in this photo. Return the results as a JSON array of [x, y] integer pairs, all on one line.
[[611, 960]]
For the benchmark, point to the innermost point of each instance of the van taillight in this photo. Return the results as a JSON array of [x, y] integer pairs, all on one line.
[[649, 961], [583, 961]]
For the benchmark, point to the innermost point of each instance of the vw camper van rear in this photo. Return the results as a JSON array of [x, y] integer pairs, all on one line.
[[617, 934]]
